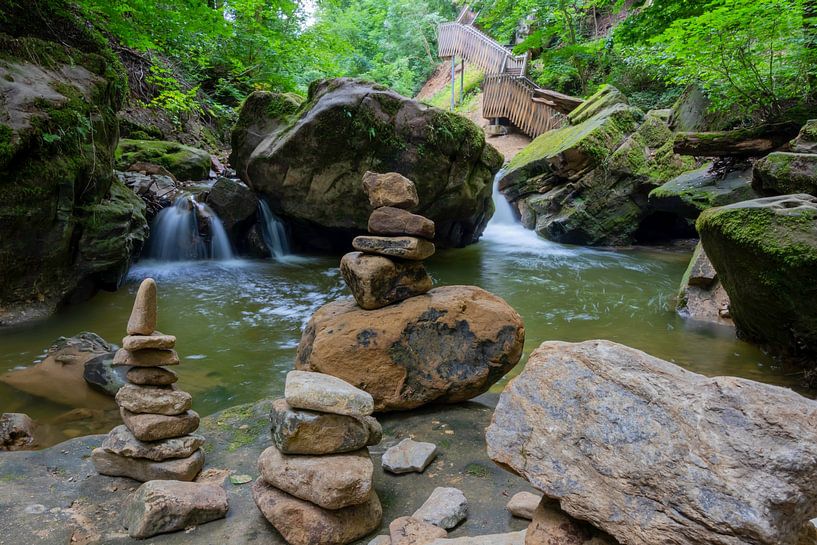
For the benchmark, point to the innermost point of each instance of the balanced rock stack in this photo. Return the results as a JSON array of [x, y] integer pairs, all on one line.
[[157, 440], [316, 486], [387, 267]]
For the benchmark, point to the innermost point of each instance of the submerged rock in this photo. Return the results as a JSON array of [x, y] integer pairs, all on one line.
[[184, 162], [644, 449], [447, 345], [310, 163], [158, 507]]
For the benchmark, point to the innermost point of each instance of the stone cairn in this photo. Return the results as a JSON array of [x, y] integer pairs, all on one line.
[[315, 485], [157, 440], [388, 268]]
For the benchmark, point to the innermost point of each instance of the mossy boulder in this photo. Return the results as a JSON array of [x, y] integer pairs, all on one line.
[[765, 254], [184, 162], [692, 192], [605, 97], [66, 226], [782, 173], [309, 163], [806, 141]]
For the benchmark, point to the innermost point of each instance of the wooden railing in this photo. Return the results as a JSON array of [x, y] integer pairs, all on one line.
[[512, 97], [465, 41]]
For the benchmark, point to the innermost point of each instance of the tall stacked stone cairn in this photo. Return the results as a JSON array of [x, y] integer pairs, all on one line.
[[315, 485], [388, 268], [157, 439]]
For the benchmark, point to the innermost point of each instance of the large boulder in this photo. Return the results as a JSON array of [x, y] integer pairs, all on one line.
[[783, 173], [67, 225], [765, 253], [310, 163], [448, 345], [689, 194], [652, 453], [184, 162], [237, 207]]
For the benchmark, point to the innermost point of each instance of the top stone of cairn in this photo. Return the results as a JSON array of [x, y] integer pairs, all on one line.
[[142, 319], [327, 394], [390, 189]]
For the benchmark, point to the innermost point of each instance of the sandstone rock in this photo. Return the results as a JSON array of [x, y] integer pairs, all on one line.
[[523, 504], [154, 427], [448, 345], [146, 358], [701, 295], [446, 507], [142, 319], [782, 173], [765, 253], [510, 538], [326, 393], [154, 340], [158, 507], [307, 432], [142, 469], [390, 189], [391, 221], [378, 281], [153, 400], [550, 526], [412, 248], [122, 442], [605, 97], [644, 449], [151, 376], [409, 456], [303, 523], [16, 432], [411, 531], [332, 481]]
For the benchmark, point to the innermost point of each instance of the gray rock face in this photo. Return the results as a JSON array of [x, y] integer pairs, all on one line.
[[158, 507], [122, 442], [644, 449], [142, 469], [153, 427], [446, 507], [153, 400], [409, 455], [297, 431], [235, 204], [325, 393]]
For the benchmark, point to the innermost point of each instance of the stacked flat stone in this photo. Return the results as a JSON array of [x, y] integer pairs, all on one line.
[[157, 439], [315, 485], [388, 268]]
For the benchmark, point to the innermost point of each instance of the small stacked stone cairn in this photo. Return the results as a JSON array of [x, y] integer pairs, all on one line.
[[315, 486], [157, 440], [388, 268]]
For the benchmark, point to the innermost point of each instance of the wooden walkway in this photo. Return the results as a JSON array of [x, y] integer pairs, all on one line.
[[507, 92]]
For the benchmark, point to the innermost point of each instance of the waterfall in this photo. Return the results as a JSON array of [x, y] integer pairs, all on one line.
[[504, 229], [176, 234], [503, 213], [273, 231]]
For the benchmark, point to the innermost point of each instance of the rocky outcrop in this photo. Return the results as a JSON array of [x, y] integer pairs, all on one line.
[[237, 207], [309, 163], [643, 449], [701, 295], [765, 253], [184, 162], [67, 226], [448, 345], [588, 183], [783, 173]]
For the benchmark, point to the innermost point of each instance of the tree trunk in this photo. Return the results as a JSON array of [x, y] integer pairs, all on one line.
[[558, 101], [750, 142]]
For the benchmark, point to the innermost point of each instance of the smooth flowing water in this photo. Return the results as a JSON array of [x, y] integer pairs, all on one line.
[[273, 231], [175, 233], [238, 322]]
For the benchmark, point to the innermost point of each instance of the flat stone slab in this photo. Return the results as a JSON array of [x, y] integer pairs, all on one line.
[[154, 340], [141, 469], [154, 427], [158, 507], [412, 248], [153, 400], [446, 507], [377, 281], [151, 376], [408, 456], [412, 531], [325, 393], [122, 442], [149, 357], [391, 221]]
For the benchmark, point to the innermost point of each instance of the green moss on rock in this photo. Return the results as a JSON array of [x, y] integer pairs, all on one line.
[[782, 173], [185, 162]]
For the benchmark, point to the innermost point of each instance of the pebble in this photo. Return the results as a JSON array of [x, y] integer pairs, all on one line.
[[523, 504], [446, 507], [408, 456]]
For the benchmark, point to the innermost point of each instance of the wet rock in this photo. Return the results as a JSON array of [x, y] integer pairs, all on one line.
[[16, 432], [523, 504], [391, 221], [332, 481], [235, 204], [448, 345], [415, 249], [377, 281], [185, 162], [303, 523], [550, 526], [446, 507], [702, 296], [390, 189], [154, 340], [146, 358], [704, 460], [158, 189], [412, 531], [158, 507], [326, 393], [151, 376], [102, 375], [143, 469], [297, 431], [509, 538], [783, 173], [122, 442], [409, 456], [690, 193], [142, 319], [153, 400], [153, 427]]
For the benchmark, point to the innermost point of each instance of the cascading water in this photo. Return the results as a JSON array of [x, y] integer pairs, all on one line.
[[175, 234], [506, 230], [273, 231]]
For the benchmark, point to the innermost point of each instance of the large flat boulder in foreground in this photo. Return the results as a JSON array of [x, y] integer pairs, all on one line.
[[652, 453]]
